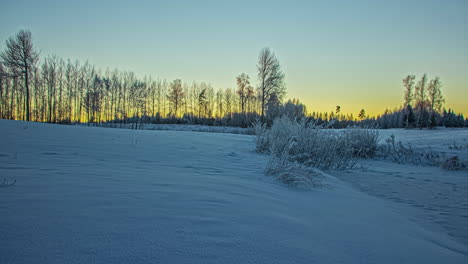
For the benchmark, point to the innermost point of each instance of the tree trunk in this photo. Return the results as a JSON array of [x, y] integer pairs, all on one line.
[[26, 82]]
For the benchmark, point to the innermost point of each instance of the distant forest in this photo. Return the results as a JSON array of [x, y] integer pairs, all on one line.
[[55, 90]]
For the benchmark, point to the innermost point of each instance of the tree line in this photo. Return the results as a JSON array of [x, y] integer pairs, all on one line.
[[423, 107], [55, 90], [61, 91]]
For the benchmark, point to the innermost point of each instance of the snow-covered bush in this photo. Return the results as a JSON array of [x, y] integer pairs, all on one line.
[[294, 174], [364, 141], [454, 163], [7, 182], [313, 145], [456, 146], [398, 152], [401, 153], [261, 136]]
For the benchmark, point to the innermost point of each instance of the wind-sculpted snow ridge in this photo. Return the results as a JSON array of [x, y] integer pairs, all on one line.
[[95, 195]]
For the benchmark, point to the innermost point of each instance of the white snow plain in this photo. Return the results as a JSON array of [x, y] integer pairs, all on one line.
[[98, 195]]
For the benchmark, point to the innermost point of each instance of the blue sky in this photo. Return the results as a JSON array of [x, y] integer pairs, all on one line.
[[348, 53]]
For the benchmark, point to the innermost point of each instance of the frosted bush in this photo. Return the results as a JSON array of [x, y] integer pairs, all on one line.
[[401, 153], [294, 174], [398, 152], [314, 146], [454, 163], [364, 141], [261, 136], [7, 182]]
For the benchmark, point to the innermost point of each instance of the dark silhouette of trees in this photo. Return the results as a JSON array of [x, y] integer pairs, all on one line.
[[202, 104], [362, 114]]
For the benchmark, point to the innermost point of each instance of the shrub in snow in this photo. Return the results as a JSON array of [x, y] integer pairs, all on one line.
[[398, 152], [313, 145], [261, 136], [456, 146], [364, 141], [407, 154], [5, 182], [294, 174], [454, 163]]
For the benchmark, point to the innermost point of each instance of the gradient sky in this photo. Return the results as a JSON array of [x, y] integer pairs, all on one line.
[[348, 53]]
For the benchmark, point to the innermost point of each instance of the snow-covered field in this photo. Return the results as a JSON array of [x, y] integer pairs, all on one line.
[[97, 195], [433, 197], [441, 140]]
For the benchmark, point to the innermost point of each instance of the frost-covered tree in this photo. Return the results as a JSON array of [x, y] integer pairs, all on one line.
[[421, 101], [273, 107], [271, 79], [408, 83], [294, 109], [409, 117], [436, 99]]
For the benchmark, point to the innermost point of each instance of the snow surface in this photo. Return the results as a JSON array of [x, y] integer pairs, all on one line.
[[96, 195], [435, 198]]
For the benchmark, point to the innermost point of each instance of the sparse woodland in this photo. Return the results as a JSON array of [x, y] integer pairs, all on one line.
[[52, 89]]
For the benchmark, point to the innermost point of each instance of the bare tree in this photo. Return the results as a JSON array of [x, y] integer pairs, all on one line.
[[436, 99], [420, 96], [176, 95], [228, 96], [3, 100], [220, 104], [20, 55], [49, 75], [243, 87], [408, 83], [271, 78]]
